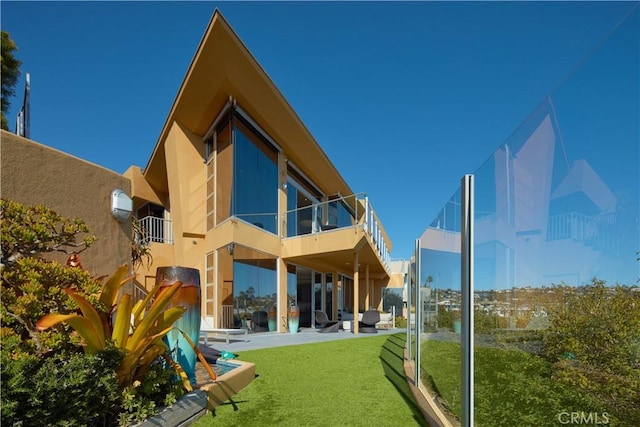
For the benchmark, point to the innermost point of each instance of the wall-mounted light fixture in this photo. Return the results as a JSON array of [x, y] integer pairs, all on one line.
[[230, 249], [121, 205]]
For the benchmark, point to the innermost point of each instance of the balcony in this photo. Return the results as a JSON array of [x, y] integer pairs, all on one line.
[[341, 213], [596, 231], [157, 230]]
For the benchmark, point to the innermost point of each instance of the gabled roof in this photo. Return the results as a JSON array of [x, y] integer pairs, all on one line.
[[222, 67], [582, 178]]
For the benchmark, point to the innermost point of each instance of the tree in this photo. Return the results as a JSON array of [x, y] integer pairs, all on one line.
[[10, 74], [29, 231], [32, 286]]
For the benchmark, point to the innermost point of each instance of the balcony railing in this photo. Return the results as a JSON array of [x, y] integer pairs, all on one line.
[[595, 230], [157, 230], [343, 212]]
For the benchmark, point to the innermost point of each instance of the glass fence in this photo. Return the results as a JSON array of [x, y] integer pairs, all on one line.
[[556, 275]]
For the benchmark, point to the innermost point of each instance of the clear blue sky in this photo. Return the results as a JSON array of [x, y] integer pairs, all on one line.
[[405, 98]]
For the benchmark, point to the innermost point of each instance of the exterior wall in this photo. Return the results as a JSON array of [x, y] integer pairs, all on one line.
[[34, 174], [187, 181]]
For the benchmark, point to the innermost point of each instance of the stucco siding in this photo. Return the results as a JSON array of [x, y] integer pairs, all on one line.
[[34, 174]]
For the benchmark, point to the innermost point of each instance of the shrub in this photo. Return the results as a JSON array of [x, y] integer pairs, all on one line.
[[60, 389], [594, 341], [599, 325], [31, 288], [46, 377], [446, 318], [29, 231], [485, 322]]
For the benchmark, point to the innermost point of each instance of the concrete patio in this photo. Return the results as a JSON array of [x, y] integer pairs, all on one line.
[[274, 339]]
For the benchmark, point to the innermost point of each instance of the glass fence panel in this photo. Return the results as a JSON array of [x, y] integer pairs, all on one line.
[[557, 276], [439, 313], [557, 306]]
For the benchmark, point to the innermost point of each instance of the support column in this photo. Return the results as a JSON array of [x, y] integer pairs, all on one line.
[[281, 313], [367, 297], [467, 308], [356, 296], [334, 299]]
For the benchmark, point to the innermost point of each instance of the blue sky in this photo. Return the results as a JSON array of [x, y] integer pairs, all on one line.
[[405, 98]]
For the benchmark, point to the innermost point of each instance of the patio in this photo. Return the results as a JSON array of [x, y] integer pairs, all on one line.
[[262, 340]]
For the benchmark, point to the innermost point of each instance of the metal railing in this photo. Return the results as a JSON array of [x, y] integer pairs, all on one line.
[[343, 212], [579, 227], [157, 230]]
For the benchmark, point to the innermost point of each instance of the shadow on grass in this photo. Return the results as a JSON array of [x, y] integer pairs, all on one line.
[[392, 360]]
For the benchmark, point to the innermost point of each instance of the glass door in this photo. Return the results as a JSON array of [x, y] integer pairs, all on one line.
[[305, 295]]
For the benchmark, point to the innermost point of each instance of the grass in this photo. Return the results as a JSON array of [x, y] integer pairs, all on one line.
[[512, 387], [354, 382]]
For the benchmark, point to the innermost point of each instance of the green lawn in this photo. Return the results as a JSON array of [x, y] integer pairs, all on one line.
[[512, 387], [353, 382]]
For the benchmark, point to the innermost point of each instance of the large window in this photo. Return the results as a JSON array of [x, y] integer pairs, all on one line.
[[255, 195], [247, 283], [246, 175]]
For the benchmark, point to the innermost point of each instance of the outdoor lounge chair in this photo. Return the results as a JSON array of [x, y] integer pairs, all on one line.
[[259, 321], [206, 327], [368, 323], [325, 324]]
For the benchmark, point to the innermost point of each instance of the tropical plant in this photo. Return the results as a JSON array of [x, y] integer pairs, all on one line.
[[140, 250], [138, 329], [43, 370]]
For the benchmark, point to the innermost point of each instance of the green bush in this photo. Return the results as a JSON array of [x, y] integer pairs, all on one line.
[[59, 389], [594, 342], [599, 325], [401, 322], [446, 318], [485, 322], [31, 288], [46, 377]]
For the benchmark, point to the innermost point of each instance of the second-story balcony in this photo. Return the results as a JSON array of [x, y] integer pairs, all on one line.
[[153, 229], [341, 213]]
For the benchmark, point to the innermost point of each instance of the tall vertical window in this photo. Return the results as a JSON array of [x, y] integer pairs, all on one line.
[[255, 179], [242, 174]]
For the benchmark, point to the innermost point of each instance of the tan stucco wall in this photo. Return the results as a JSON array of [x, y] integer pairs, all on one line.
[[34, 174], [187, 187]]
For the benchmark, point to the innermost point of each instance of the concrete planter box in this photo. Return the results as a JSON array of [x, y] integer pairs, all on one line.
[[207, 397]]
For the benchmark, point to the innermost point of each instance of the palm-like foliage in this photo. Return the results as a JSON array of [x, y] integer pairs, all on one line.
[[136, 329]]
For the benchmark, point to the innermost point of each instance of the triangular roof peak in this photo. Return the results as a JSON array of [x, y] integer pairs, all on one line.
[[223, 67]]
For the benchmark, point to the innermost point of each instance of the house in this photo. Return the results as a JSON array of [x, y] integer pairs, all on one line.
[[238, 188]]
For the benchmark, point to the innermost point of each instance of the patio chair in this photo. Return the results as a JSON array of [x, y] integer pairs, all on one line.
[[368, 323], [325, 324], [260, 321]]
